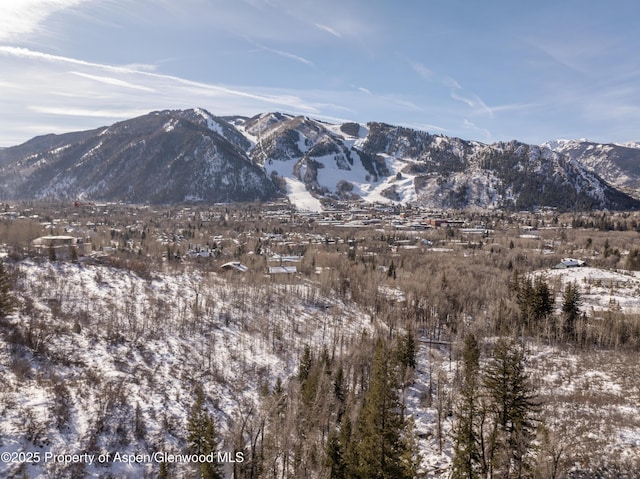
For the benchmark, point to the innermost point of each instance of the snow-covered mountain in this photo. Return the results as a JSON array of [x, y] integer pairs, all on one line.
[[617, 164], [192, 155], [162, 157], [380, 162]]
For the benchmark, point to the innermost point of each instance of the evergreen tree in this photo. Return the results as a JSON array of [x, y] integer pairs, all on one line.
[[338, 384], [380, 445], [571, 302], [534, 299], [335, 457], [391, 271], [163, 471], [139, 427], [543, 299], [202, 437], [304, 368], [466, 459], [525, 298], [512, 406], [407, 350], [7, 300]]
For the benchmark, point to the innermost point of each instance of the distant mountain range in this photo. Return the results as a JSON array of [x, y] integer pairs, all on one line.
[[618, 165], [192, 155]]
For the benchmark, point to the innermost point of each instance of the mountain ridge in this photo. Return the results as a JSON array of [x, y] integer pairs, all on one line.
[[617, 164], [173, 156]]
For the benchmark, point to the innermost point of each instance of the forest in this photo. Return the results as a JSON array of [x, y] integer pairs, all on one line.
[[456, 348]]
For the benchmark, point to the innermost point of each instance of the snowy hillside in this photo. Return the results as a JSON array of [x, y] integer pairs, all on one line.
[[99, 359], [602, 290], [619, 165], [377, 162], [163, 157]]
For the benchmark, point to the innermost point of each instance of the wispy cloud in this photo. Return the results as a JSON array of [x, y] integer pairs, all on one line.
[[426, 127], [36, 55], [329, 30], [149, 76], [472, 126], [456, 92], [39, 85], [474, 102], [113, 81], [281, 53], [86, 112], [23, 17], [422, 70]]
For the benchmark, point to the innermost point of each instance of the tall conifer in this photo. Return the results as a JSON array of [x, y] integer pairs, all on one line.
[[7, 300], [202, 437], [381, 446], [512, 406], [466, 459]]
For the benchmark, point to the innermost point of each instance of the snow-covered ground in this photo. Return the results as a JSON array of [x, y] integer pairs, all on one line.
[[108, 350], [300, 197], [600, 289]]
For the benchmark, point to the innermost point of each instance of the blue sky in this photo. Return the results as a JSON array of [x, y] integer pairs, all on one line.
[[489, 71]]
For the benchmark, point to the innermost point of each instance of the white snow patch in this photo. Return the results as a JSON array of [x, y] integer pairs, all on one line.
[[300, 197]]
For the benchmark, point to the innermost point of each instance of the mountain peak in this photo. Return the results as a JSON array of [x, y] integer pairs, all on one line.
[[169, 156]]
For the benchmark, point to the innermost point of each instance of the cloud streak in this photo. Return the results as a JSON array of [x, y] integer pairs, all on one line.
[[38, 86], [113, 81], [290, 56], [329, 30], [52, 93], [456, 92], [23, 17]]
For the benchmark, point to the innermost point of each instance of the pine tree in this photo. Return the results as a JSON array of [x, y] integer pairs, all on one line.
[[304, 368], [7, 300], [335, 457], [407, 350], [466, 459], [534, 299], [202, 437], [381, 447], [633, 260], [571, 302], [525, 300], [163, 471], [512, 406], [139, 427], [338, 384], [543, 299], [391, 271]]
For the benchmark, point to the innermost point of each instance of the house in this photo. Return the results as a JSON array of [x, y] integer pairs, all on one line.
[[234, 265], [569, 263], [282, 269], [62, 245]]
